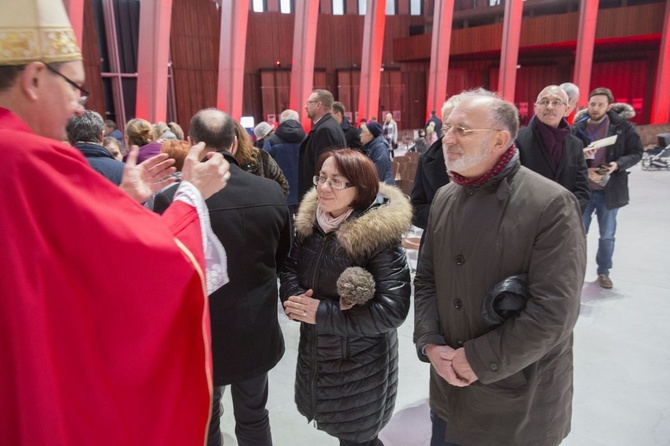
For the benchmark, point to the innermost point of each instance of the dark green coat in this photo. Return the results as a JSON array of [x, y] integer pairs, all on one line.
[[477, 236]]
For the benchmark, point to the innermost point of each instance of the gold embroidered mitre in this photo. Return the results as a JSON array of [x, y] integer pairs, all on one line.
[[36, 30]]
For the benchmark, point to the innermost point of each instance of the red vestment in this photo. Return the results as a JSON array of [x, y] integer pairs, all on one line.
[[104, 326]]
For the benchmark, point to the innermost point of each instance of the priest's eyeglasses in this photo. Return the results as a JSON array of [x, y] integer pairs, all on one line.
[[334, 184], [83, 93], [461, 132]]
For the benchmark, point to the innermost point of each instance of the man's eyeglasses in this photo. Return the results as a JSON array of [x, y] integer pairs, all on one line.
[[333, 184], [555, 103], [83, 93], [312, 102], [462, 132]]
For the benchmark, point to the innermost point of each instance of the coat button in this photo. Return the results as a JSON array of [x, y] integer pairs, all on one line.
[[460, 260], [469, 192], [459, 342], [458, 304], [493, 367]]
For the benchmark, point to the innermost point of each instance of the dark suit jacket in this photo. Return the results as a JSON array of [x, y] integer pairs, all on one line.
[[571, 172], [326, 134], [251, 219], [431, 174]]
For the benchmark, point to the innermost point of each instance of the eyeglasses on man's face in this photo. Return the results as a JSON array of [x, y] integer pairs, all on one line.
[[334, 184], [462, 132], [555, 103], [311, 102], [83, 93]]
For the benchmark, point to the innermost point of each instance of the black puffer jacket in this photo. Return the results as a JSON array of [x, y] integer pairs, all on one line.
[[347, 373]]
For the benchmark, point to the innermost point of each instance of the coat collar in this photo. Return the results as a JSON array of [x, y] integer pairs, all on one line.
[[364, 232]]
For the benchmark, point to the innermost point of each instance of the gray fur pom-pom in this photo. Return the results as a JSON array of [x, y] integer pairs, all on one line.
[[355, 285]]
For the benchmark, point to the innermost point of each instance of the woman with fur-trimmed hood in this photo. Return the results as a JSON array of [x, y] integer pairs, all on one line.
[[348, 283]]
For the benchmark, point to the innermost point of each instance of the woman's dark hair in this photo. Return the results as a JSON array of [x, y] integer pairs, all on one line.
[[359, 170]]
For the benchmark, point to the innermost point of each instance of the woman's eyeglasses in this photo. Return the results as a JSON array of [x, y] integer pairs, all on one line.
[[334, 184]]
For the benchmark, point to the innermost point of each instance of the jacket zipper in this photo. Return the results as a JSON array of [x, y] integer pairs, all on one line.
[[317, 262]]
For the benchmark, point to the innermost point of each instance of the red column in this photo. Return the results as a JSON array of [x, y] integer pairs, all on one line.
[[660, 106], [509, 55], [75, 10], [304, 47], [153, 55], [232, 46], [588, 19], [439, 55], [373, 46]]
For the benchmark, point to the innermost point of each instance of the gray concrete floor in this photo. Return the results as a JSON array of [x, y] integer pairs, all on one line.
[[622, 347]]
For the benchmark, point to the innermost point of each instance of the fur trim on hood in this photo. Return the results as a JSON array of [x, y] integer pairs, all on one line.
[[382, 225], [622, 109]]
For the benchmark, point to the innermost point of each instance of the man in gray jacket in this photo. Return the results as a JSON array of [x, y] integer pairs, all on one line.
[[508, 383]]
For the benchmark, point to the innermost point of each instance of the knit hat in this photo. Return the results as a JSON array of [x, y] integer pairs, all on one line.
[[374, 128], [262, 130], [36, 30]]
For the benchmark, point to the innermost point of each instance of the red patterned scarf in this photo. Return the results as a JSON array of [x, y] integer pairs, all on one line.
[[480, 181]]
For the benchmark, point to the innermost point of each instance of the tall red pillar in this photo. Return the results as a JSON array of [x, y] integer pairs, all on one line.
[[153, 55], [232, 52], [660, 106], [75, 10], [371, 63], [439, 55], [588, 19], [509, 54], [304, 47]]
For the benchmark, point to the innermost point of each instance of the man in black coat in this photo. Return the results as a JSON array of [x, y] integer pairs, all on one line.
[[85, 133], [284, 147], [252, 221], [431, 174], [605, 119], [547, 147], [436, 121], [351, 133], [326, 134]]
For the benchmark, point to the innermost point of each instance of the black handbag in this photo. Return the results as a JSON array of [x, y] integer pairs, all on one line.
[[507, 298]]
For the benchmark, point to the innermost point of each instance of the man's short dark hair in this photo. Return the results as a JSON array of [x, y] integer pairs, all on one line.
[[338, 107], [8, 75], [602, 91], [85, 128], [213, 127], [111, 124]]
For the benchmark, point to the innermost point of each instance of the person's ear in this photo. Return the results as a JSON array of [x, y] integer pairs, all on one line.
[[233, 147], [502, 140], [31, 79], [609, 107]]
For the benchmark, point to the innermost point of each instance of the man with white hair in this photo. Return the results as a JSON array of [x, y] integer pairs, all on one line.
[[572, 91], [547, 147], [90, 357], [284, 146], [501, 366]]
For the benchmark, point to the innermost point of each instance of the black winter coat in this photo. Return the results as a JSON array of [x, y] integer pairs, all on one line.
[[431, 174], [251, 219], [325, 134], [102, 161], [626, 152], [284, 147], [347, 372], [352, 135], [571, 172]]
